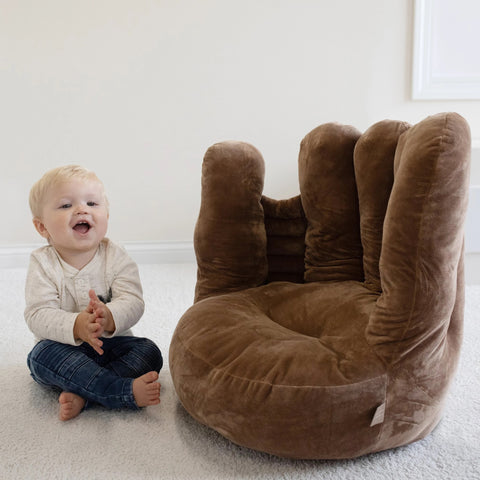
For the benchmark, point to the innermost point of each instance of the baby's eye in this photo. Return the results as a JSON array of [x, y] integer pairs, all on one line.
[[66, 205], [92, 204]]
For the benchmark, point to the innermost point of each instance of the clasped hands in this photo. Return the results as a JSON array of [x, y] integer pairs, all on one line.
[[92, 322]]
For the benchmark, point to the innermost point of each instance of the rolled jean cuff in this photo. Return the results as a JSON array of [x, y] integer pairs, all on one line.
[[123, 399]]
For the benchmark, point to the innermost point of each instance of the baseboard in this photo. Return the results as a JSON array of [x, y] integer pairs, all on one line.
[[472, 224], [472, 268], [161, 252], [17, 256]]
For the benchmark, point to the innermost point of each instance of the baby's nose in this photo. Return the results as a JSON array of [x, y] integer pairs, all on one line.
[[81, 208]]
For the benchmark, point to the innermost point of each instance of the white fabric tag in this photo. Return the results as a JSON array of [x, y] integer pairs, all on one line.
[[379, 416]]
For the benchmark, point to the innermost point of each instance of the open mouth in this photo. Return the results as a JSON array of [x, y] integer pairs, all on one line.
[[82, 227]]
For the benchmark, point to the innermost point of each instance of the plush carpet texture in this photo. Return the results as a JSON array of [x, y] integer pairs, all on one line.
[[164, 442]]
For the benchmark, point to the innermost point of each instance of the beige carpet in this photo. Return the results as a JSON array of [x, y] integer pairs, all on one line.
[[164, 442]]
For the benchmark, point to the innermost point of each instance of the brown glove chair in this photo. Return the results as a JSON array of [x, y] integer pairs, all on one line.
[[329, 325]]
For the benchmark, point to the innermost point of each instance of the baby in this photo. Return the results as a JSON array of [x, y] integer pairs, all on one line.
[[83, 294]]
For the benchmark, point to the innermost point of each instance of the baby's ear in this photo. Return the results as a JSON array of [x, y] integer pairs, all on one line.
[[40, 227]]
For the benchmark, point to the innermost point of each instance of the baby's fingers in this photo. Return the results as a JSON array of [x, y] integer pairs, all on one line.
[[96, 344], [93, 295], [94, 329]]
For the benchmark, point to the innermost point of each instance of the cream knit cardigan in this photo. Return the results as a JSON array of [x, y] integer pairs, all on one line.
[[55, 292]]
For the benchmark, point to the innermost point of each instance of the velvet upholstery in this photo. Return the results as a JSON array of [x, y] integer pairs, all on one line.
[[329, 325]]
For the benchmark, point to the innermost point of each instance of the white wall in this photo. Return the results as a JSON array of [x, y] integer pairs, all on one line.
[[137, 90]]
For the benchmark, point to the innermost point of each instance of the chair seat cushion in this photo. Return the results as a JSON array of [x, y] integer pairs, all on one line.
[[280, 358]]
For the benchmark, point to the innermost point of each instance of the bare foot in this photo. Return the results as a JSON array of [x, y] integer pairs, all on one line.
[[70, 405], [146, 389]]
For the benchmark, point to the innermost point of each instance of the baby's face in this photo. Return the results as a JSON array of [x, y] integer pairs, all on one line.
[[74, 217]]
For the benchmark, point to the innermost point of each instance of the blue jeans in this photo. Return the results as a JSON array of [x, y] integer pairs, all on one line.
[[100, 379]]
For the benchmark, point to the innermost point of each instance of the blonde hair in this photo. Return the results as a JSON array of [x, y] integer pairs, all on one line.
[[59, 175]]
